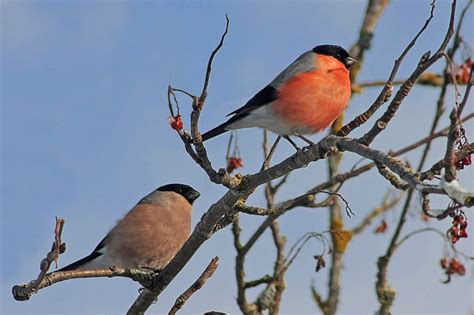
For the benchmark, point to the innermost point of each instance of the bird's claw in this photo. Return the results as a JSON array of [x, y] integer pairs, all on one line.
[[306, 148]]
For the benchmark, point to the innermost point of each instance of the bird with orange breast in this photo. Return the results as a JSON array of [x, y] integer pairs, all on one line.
[[303, 99], [149, 235]]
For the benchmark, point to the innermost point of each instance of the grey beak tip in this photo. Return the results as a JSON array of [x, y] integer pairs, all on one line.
[[350, 61]]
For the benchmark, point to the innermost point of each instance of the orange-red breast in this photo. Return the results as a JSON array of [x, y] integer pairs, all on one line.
[[303, 99]]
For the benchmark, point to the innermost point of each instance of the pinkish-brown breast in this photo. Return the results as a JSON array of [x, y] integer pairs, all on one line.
[[315, 99], [150, 235]]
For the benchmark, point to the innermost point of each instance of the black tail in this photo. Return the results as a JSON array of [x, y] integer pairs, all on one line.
[[80, 262], [215, 132]]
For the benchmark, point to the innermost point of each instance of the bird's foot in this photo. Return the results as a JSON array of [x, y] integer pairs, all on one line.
[[149, 269], [297, 148], [305, 139]]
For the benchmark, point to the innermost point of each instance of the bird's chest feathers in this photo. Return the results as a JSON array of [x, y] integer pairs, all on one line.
[[314, 99]]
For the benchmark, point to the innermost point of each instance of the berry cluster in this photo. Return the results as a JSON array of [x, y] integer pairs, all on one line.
[[452, 266], [233, 163], [458, 228]]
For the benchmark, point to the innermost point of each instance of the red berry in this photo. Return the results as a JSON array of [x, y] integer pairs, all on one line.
[[454, 239], [466, 69], [381, 228], [457, 218], [454, 264], [176, 122], [455, 230], [463, 234], [461, 270], [234, 163], [444, 263]]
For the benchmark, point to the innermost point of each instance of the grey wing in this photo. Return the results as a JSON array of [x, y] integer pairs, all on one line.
[[303, 63]]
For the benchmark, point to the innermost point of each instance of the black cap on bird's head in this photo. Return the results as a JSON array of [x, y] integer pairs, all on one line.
[[337, 52], [184, 190]]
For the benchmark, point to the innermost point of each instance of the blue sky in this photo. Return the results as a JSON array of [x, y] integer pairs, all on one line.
[[84, 135]]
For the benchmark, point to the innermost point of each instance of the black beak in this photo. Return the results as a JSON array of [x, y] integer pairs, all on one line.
[[349, 61], [192, 196]]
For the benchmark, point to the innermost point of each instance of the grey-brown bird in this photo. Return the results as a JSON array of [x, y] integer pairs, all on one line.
[[149, 235]]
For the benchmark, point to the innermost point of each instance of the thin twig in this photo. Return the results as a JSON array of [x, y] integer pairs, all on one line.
[[385, 293], [455, 132], [428, 229], [387, 90], [425, 62], [269, 156], [24, 292], [198, 284], [203, 96], [255, 283]]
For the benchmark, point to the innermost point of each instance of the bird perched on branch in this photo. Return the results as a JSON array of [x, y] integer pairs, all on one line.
[[303, 99], [149, 235]]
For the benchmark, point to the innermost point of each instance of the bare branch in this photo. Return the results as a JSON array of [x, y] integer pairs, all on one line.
[[245, 307], [438, 166], [25, 291], [391, 177], [203, 96], [428, 229], [455, 132], [198, 284], [385, 294], [269, 156], [423, 64], [199, 153], [254, 283], [386, 92]]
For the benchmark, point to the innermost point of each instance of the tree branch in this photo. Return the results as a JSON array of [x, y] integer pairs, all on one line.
[[198, 284], [386, 92], [25, 291], [424, 63], [455, 133]]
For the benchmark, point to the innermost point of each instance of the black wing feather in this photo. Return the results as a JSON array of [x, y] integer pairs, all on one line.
[[95, 253], [267, 95]]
